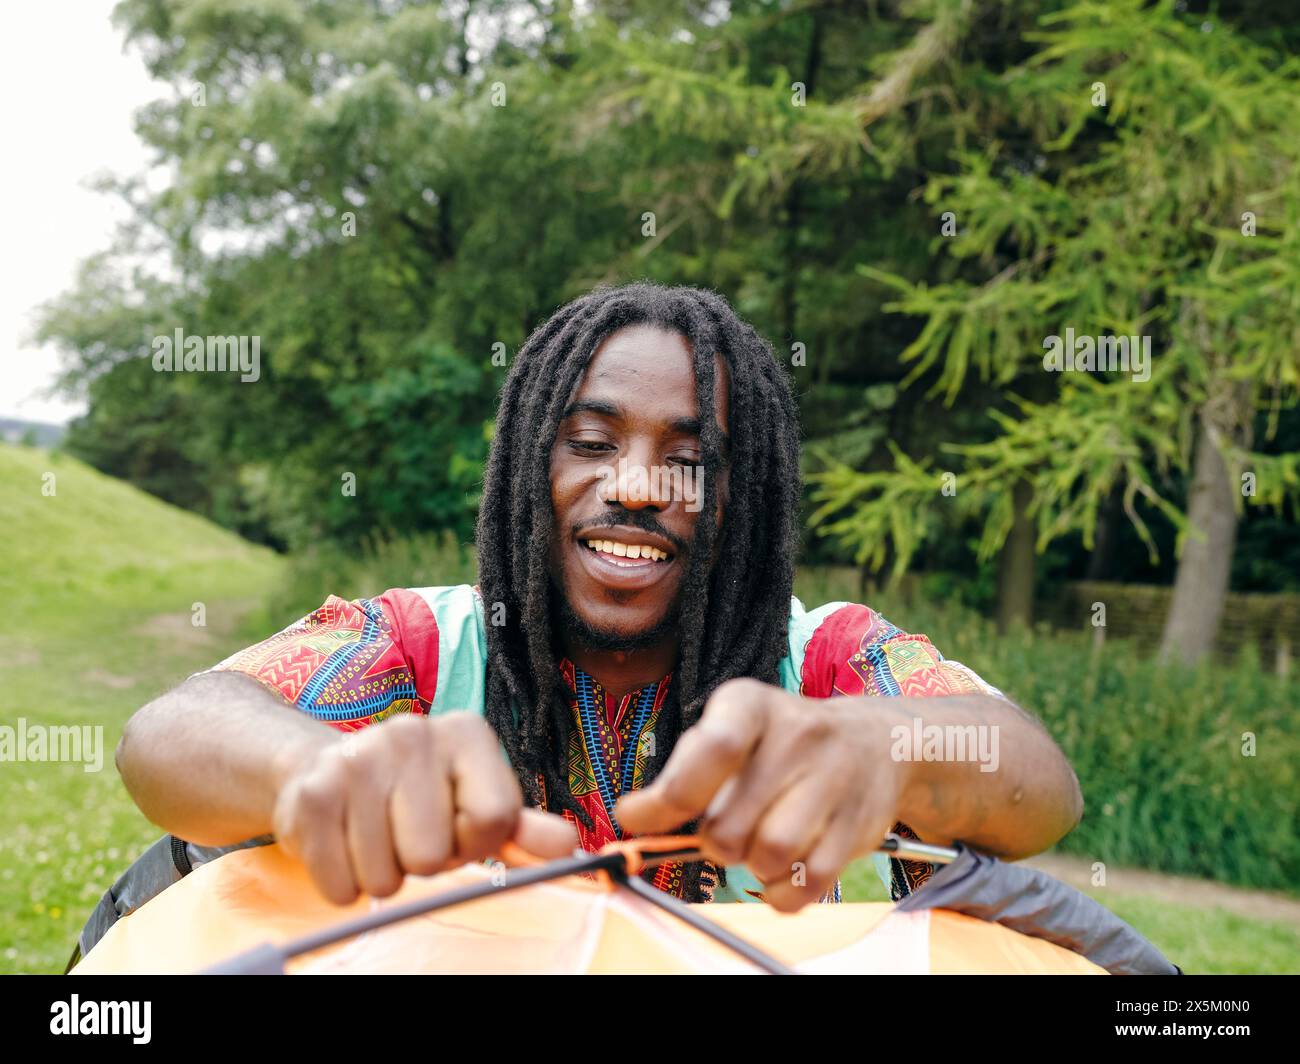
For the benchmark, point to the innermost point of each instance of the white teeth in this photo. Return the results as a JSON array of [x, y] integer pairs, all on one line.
[[624, 550]]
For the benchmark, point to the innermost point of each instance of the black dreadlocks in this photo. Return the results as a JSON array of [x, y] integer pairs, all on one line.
[[732, 622]]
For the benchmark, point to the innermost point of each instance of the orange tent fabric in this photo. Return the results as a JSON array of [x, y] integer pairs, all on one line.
[[571, 925]]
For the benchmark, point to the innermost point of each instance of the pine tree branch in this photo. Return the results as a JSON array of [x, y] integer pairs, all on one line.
[[930, 47]]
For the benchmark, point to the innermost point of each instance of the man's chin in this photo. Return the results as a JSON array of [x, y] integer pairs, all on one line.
[[594, 636]]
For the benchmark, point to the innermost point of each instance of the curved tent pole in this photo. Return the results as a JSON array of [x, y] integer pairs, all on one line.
[[684, 912], [621, 862], [621, 868]]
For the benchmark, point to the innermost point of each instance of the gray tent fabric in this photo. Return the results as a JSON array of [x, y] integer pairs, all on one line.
[[1035, 904], [166, 862]]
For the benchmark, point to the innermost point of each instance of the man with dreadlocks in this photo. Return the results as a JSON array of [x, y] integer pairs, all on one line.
[[632, 648]]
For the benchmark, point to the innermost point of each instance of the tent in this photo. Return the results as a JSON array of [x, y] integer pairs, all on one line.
[[254, 910]]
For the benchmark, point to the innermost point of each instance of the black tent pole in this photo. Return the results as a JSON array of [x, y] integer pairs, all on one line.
[[269, 959]]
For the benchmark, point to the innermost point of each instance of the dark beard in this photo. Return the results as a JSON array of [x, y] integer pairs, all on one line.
[[591, 638]]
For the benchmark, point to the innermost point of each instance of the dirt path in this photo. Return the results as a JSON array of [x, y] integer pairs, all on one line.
[[1181, 890]]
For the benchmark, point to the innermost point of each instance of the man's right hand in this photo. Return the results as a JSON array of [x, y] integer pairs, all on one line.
[[411, 795]]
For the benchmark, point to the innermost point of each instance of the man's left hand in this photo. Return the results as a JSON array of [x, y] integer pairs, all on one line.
[[794, 788]]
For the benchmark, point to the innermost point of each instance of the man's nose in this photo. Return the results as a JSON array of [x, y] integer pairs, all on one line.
[[634, 485]]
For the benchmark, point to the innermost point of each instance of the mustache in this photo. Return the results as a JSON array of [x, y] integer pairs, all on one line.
[[638, 519]]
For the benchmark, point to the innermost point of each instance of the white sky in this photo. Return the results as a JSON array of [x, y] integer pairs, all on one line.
[[67, 97]]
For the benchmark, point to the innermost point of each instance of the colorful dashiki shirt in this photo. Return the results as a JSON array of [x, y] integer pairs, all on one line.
[[607, 756], [353, 664]]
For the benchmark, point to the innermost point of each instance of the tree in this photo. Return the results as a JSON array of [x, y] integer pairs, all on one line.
[[1178, 227], [389, 207]]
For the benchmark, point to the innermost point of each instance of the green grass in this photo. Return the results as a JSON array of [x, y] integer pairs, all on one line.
[[1200, 941], [414, 561], [98, 542], [99, 581], [1159, 752]]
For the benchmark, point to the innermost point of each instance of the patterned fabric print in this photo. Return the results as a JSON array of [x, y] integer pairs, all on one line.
[[907, 876], [856, 652], [607, 757], [342, 664], [352, 664]]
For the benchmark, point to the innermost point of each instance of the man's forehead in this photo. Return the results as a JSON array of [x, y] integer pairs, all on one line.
[[650, 369]]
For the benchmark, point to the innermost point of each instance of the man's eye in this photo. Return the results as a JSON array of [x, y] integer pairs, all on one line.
[[591, 446], [687, 459]]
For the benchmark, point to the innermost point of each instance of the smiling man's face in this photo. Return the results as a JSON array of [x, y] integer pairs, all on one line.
[[628, 441]]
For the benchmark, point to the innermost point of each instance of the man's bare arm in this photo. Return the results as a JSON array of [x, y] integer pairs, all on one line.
[[1017, 805], [206, 761], [221, 759]]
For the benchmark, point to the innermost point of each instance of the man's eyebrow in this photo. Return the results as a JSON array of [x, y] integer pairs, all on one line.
[[592, 406], [685, 426], [690, 426]]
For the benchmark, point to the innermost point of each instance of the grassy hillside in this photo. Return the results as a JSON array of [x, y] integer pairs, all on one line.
[[98, 582], [97, 541]]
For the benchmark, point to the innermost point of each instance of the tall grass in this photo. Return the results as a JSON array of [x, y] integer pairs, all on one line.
[[1163, 753], [433, 560]]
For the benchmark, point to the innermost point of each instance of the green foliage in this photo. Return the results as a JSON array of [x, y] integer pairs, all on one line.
[[1123, 219], [898, 516], [1158, 751], [349, 192], [345, 189], [376, 565]]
